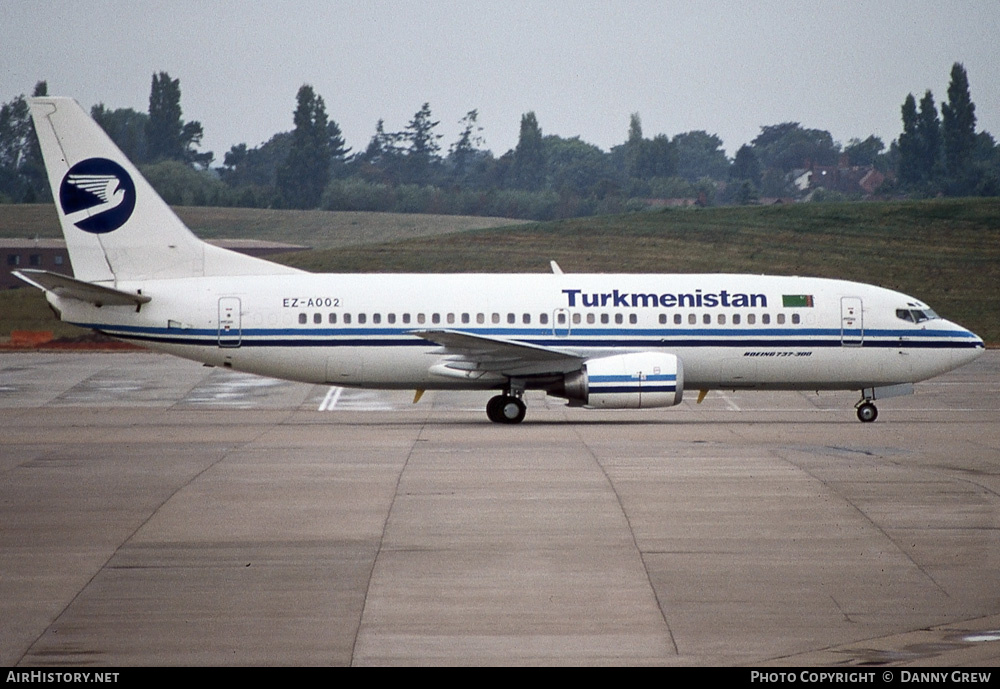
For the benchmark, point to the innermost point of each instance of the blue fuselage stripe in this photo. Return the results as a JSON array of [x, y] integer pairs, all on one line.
[[600, 338]]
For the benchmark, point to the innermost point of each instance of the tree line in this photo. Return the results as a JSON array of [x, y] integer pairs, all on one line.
[[543, 177]]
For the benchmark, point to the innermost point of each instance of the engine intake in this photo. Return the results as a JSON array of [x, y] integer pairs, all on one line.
[[640, 380]]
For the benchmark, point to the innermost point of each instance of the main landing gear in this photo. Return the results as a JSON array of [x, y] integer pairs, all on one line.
[[506, 408]]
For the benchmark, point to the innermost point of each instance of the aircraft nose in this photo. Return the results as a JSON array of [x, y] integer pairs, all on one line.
[[973, 349]]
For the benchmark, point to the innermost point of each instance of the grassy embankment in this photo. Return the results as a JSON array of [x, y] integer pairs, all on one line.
[[945, 252]]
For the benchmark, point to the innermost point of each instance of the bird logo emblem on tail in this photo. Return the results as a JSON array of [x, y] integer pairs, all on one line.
[[97, 195]]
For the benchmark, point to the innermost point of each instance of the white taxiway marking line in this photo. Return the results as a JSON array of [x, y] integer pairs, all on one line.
[[729, 402], [330, 401]]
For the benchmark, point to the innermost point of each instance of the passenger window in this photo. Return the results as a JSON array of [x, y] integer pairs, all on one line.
[[543, 319], [663, 319], [722, 319], [495, 318], [591, 318], [465, 319], [618, 319], [576, 319], [561, 318], [347, 318], [435, 318], [317, 318], [421, 318], [480, 318], [692, 319], [451, 319], [633, 319], [511, 318], [362, 318], [376, 318], [781, 319], [736, 319], [605, 319], [677, 319], [526, 319], [303, 318], [406, 318], [751, 318], [332, 319], [795, 318], [765, 318], [707, 319]]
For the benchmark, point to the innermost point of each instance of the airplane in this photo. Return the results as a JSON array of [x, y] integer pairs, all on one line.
[[607, 341]]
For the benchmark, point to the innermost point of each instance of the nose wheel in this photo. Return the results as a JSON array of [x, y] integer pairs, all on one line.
[[867, 412], [505, 409]]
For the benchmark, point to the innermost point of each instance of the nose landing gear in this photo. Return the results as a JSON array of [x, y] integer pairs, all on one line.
[[867, 412]]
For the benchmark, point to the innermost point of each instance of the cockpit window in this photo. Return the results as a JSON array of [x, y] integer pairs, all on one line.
[[915, 315]]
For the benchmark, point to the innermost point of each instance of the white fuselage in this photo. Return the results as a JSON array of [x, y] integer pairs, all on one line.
[[730, 331]]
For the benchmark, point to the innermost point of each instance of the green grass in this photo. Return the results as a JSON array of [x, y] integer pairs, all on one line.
[[26, 309], [945, 252], [315, 229]]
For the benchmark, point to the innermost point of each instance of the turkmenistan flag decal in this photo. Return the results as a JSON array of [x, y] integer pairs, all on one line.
[[792, 300]]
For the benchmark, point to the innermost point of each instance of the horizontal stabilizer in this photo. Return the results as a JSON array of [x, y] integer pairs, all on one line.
[[65, 286]]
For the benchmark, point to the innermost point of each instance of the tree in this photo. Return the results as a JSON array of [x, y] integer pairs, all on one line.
[[986, 165], [909, 145], [466, 149], [661, 156], [306, 170], [636, 152], [168, 136], [788, 146], [179, 184], [22, 174], [338, 149], [700, 154], [422, 150], [382, 146], [641, 160], [928, 140], [577, 167], [746, 166], [127, 128], [255, 170], [959, 131], [860, 153], [529, 156]]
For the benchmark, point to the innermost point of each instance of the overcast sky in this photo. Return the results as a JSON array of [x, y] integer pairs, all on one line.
[[582, 66]]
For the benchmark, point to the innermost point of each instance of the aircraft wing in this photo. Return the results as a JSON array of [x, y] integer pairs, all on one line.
[[65, 286], [468, 353]]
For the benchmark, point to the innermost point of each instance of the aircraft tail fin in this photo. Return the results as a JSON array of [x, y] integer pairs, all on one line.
[[116, 226]]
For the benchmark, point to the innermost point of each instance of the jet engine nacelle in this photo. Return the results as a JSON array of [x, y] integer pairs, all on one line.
[[627, 381]]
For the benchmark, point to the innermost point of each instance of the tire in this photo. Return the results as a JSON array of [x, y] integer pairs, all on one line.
[[493, 409], [505, 409], [867, 412]]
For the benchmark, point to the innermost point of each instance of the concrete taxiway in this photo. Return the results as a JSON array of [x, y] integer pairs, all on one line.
[[155, 512]]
